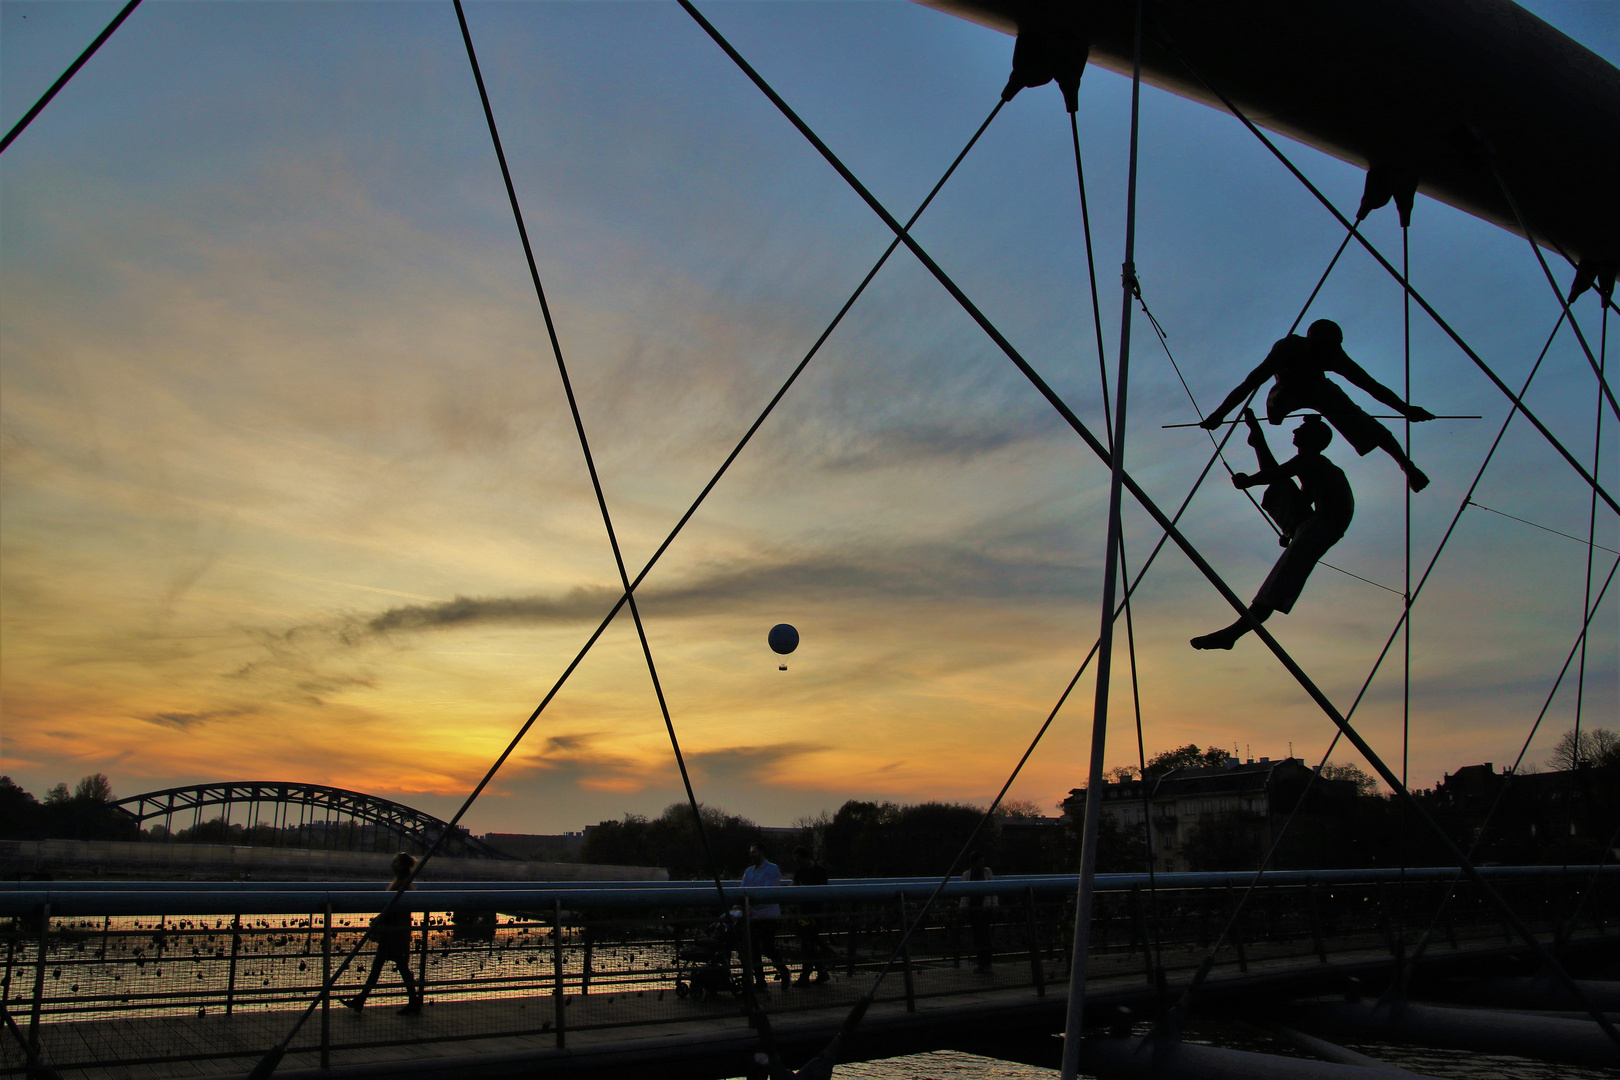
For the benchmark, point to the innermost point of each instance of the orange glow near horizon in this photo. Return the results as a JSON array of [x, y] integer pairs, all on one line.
[[291, 490]]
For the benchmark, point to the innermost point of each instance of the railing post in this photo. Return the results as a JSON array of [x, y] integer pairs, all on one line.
[[905, 959], [849, 959], [746, 953], [326, 987], [1036, 973], [587, 942], [1594, 906], [1139, 929], [236, 945], [39, 979], [559, 1002], [1315, 913], [1237, 930], [11, 958], [1387, 917], [421, 960]]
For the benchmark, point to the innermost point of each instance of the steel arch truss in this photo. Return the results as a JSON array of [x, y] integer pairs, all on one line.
[[317, 803]]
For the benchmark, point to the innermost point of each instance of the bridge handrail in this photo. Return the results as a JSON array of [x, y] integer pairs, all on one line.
[[21, 899]]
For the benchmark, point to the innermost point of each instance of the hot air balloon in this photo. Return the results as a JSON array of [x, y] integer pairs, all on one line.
[[783, 638]]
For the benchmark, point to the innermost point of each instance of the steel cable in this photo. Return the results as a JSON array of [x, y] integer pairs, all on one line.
[[72, 70], [1377, 664], [1146, 502], [1446, 327]]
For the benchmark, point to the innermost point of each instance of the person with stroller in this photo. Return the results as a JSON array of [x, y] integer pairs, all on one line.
[[977, 909], [392, 932], [812, 950], [765, 917]]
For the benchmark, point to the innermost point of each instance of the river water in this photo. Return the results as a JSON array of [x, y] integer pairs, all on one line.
[[97, 967], [1447, 1064]]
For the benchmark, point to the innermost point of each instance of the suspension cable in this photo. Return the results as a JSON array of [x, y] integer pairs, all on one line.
[[1508, 778], [1052, 715], [755, 1009], [1130, 621], [1164, 344], [1591, 529], [1171, 1022], [1589, 887], [1091, 273], [1141, 758], [1160, 333], [1457, 338], [72, 70], [1113, 548], [585, 448], [1186, 999], [1406, 588], [37, 1065], [1524, 227], [1537, 525], [1406, 552], [1193, 555], [267, 1066], [1184, 1003], [828, 1056]]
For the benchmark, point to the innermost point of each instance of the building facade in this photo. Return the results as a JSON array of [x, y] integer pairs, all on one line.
[[1210, 818]]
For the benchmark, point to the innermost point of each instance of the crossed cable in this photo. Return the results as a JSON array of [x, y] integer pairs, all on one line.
[[267, 1065], [1168, 525], [1188, 549]]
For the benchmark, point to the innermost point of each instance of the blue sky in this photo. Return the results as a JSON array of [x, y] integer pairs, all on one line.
[[276, 394]]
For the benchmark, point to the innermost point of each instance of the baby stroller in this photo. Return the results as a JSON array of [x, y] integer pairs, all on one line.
[[710, 960]]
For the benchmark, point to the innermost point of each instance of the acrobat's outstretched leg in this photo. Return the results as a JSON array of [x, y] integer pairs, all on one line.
[[1416, 479], [1282, 500], [1226, 637]]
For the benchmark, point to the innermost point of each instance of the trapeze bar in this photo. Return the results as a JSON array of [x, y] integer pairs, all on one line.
[[1301, 416]]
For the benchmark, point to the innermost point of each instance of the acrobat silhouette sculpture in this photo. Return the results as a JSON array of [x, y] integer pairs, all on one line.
[[1312, 514], [1301, 365]]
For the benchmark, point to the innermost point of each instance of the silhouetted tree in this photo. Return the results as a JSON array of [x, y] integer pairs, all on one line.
[[1189, 756], [671, 841], [95, 788], [621, 843], [1366, 783], [1597, 746], [19, 811]]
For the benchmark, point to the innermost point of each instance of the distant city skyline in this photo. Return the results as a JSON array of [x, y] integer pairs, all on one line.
[[290, 489]]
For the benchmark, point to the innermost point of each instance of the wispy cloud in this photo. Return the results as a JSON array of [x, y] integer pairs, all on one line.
[[188, 721], [920, 571]]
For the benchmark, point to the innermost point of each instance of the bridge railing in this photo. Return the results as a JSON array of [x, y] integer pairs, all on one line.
[[98, 973]]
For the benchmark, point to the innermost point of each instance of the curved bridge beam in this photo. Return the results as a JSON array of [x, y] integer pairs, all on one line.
[[412, 826], [1424, 87]]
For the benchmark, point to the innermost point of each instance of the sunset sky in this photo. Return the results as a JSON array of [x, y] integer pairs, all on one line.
[[291, 492]]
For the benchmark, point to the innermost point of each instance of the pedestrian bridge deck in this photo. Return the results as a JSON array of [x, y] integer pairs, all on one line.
[[203, 997]]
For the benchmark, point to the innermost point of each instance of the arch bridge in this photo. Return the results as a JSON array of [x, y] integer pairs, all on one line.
[[300, 815]]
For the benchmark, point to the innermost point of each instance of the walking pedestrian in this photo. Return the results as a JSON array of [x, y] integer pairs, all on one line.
[[392, 931]]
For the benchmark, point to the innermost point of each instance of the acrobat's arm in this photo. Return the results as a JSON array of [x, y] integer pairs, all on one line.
[[1257, 439], [1357, 376], [1266, 476], [1241, 394]]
